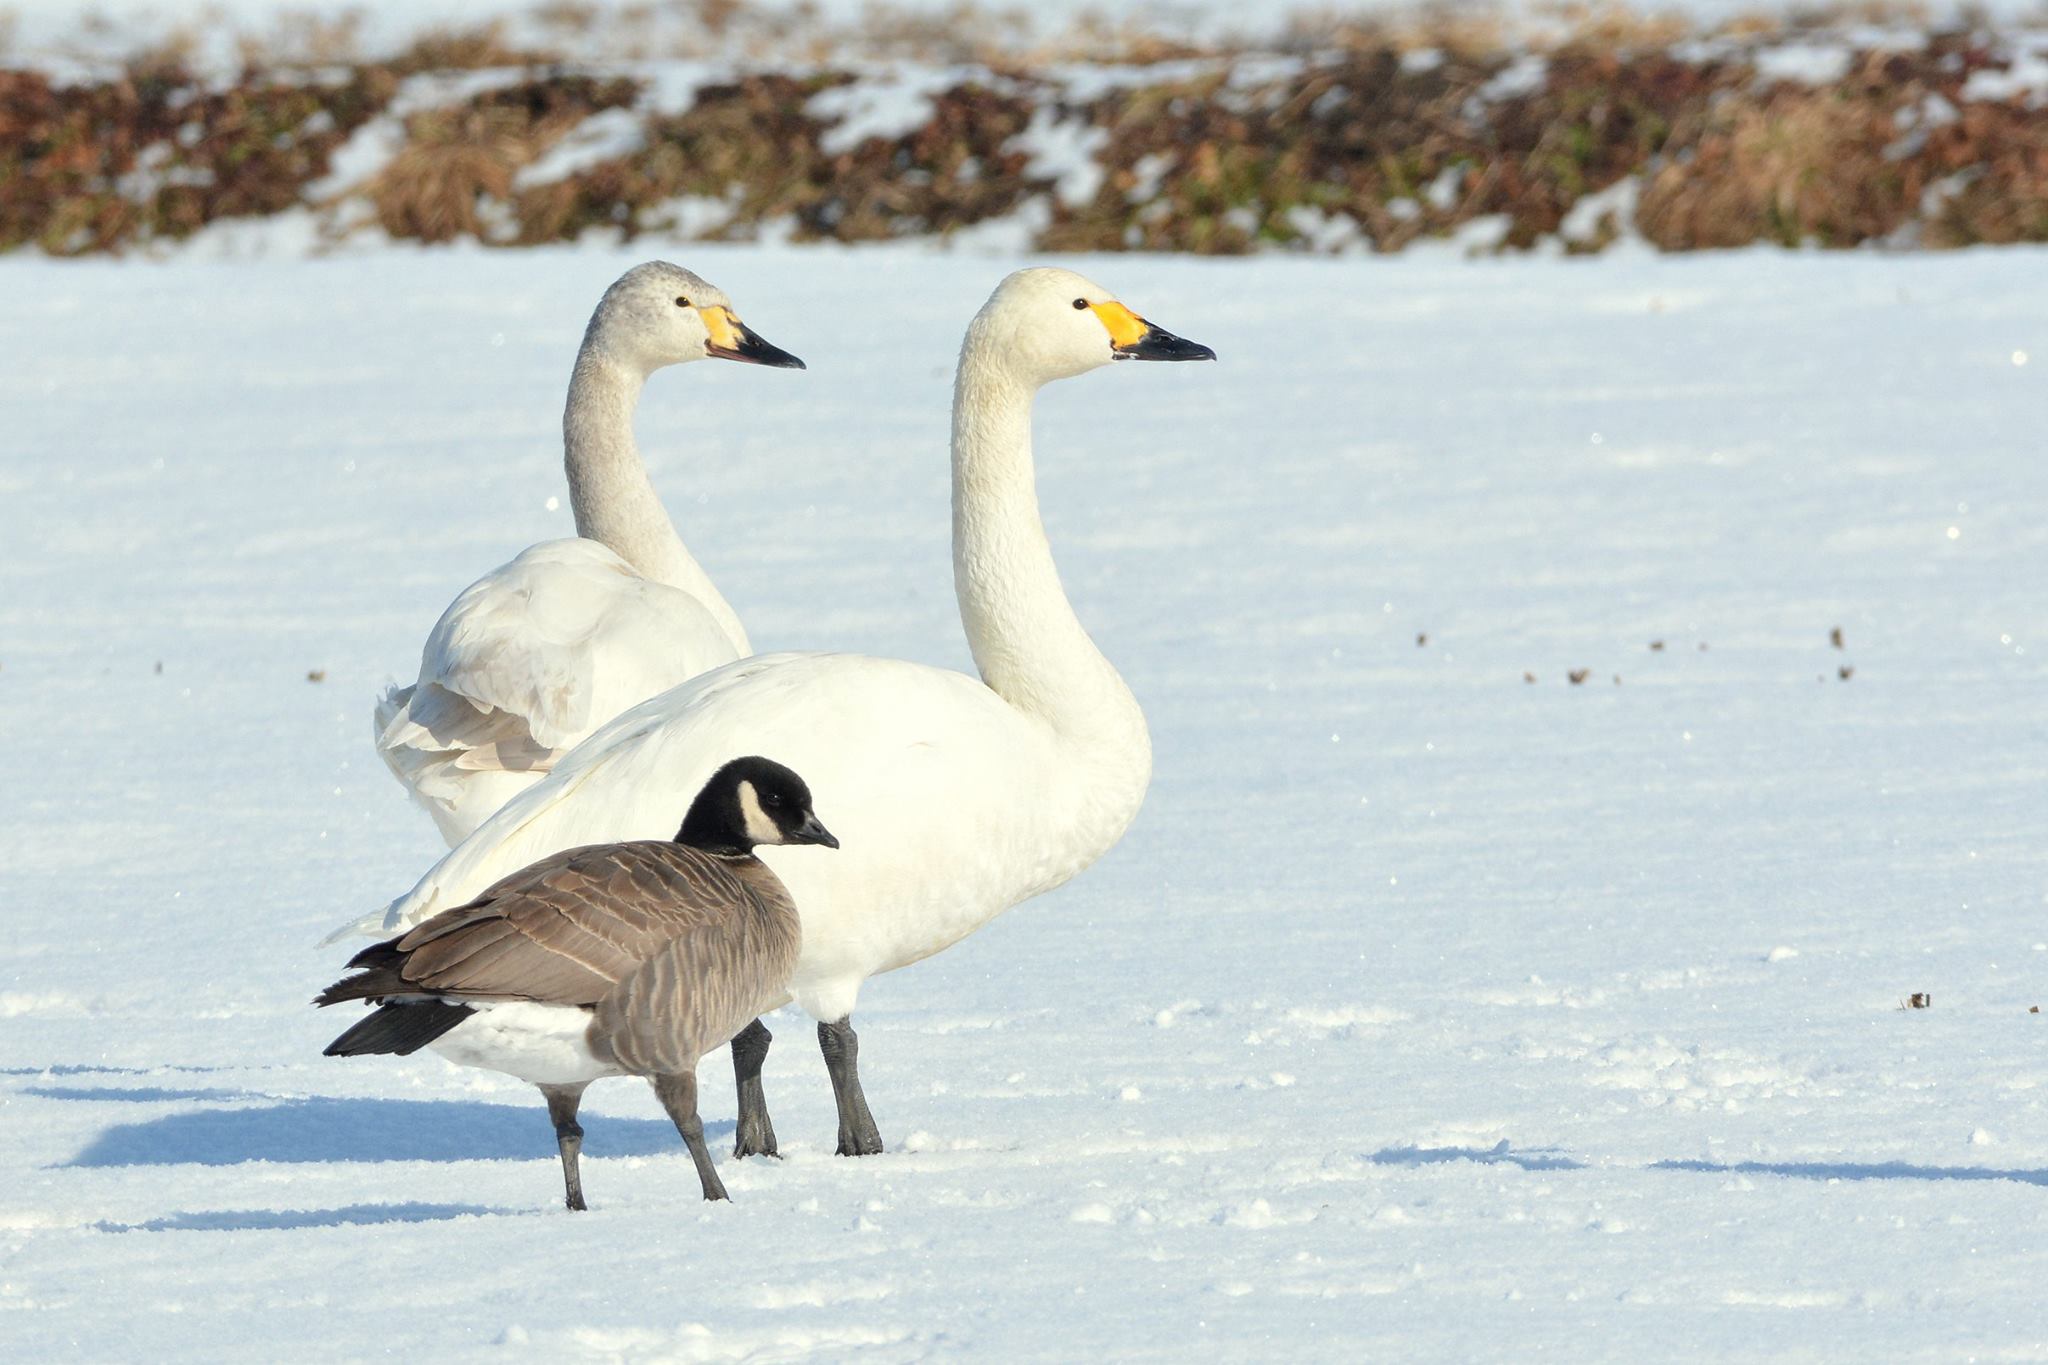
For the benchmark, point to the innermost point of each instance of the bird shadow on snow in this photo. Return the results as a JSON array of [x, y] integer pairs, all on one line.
[[325, 1128], [1497, 1155], [275, 1220], [1501, 1154], [1849, 1170], [71, 1069], [148, 1094]]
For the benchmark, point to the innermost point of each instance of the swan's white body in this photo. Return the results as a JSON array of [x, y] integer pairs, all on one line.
[[949, 804], [953, 798], [535, 655]]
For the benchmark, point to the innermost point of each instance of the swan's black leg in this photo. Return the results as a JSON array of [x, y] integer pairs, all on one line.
[[756, 1133], [678, 1095], [562, 1103], [857, 1133]]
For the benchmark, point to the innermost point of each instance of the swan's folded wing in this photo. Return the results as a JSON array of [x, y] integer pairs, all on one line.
[[527, 662], [568, 929], [426, 727], [560, 639]]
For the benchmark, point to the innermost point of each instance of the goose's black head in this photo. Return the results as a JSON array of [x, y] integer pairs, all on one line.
[[752, 801]]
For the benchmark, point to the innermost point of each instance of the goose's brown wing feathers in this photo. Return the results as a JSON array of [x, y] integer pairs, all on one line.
[[702, 986], [567, 929]]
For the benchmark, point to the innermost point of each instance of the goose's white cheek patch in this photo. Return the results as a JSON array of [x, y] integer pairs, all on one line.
[[760, 828]]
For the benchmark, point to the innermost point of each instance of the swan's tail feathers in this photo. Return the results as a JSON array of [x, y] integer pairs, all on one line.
[[428, 724], [460, 759], [400, 1028], [390, 706], [388, 724], [377, 924], [409, 749]]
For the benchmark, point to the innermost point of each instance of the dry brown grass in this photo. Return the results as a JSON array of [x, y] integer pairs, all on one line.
[[1214, 156], [751, 145], [454, 176], [299, 39], [157, 153], [462, 49], [1999, 154], [1788, 168], [1608, 27]]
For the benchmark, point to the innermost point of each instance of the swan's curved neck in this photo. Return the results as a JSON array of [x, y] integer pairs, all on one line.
[[1027, 642], [614, 500]]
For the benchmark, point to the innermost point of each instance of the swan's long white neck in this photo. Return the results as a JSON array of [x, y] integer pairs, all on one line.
[[1027, 642], [614, 500]]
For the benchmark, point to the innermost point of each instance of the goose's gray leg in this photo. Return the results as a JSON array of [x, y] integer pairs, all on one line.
[[678, 1095], [857, 1133], [562, 1103], [756, 1134]]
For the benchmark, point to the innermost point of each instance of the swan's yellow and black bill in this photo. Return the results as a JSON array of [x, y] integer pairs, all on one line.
[[1133, 338], [731, 339]]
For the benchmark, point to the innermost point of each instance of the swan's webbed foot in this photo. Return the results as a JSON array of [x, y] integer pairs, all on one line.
[[858, 1135]]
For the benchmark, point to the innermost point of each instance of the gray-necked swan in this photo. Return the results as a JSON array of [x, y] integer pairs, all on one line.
[[539, 652], [955, 797]]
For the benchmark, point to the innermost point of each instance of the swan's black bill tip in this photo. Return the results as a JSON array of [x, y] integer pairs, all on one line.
[[752, 350], [1160, 344]]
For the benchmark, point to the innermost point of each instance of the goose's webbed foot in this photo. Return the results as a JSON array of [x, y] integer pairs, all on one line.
[[562, 1103], [678, 1095], [755, 1134]]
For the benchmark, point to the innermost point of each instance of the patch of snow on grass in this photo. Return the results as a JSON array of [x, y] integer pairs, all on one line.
[[1803, 63], [2026, 76], [884, 104], [1063, 151], [604, 136]]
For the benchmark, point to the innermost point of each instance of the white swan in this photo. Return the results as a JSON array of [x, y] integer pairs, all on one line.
[[539, 652], [954, 799]]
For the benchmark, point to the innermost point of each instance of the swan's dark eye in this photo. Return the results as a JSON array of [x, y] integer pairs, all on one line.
[[1080, 303], [682, 302]]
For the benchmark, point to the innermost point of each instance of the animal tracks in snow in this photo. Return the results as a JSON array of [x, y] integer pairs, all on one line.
[[1694, 1077], [1318, 1024]]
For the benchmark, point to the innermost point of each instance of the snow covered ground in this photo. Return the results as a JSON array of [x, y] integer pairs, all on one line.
[[1426, 1013], [593, 27]]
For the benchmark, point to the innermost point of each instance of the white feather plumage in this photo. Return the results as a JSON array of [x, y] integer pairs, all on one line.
[[953, 798], [535, 655]]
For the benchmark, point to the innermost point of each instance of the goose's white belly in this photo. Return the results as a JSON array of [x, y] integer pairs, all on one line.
[[543, 1044]]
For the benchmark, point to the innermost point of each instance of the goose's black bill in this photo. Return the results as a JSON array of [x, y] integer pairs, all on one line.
[[813, 831], [1159, 344]]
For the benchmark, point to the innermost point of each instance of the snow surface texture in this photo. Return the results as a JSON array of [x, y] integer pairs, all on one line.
[[610, 28], [1425, 1014]]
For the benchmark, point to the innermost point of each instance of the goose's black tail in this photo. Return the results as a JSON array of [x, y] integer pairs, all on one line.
[[402, 1027]]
